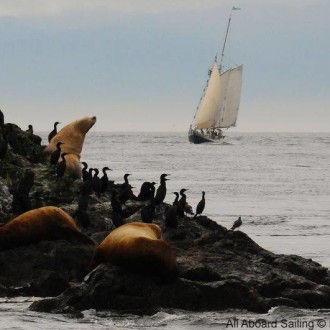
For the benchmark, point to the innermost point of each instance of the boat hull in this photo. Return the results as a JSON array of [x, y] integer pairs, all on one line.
[[196, 138]]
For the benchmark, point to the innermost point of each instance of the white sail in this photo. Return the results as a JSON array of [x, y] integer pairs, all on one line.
[[210, 104], [219, 106], [231, 83]]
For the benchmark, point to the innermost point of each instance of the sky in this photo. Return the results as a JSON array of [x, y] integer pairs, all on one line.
[[141, 65]]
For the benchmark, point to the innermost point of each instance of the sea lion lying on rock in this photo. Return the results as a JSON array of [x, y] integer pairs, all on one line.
[[44, 224], [72, 136], [138, 247]]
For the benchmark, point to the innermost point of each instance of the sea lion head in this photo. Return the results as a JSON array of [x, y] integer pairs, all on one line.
[[85, 124]]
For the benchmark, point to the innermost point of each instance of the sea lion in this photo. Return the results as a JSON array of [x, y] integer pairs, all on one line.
[[138, 247], [72, 136], [44, 224]]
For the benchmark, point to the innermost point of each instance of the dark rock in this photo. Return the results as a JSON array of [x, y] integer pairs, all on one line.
[[217, 268]]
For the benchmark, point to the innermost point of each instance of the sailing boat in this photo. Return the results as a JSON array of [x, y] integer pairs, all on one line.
[[219, 104]]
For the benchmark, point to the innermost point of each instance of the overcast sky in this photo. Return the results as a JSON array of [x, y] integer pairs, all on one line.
[[142, 64]]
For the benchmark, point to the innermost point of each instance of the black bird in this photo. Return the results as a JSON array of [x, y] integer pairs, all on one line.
[[126, 192], [30, 129], [21, 199], [171, 218], [183, 200], [148, 212], [180, 210], [61, 167], [200, 206], [117, 211], [81, 213], [147, 191], [96, 182], [161, 191], [84, 172], [2, 119], [12, 137], [53, 132], [105, 179], [55, 156], [3, 145], [237, 223]]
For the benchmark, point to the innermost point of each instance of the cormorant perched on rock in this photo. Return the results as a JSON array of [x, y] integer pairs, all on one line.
[[84, 172], [180, 209], [53, 132], [21, 200], [30, 129], [183, 200], [96, 182], [55, 156], [61, 167], [12, 137], [126, 192], [161, 191], [148, 212], [171, 218], [105, 179], [3, 145], [117, 211], [147, 191], [200, 206], [81, 213], [237, 223], [2, 119]]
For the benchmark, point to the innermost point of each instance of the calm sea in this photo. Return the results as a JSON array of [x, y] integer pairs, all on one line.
[[277, 182]]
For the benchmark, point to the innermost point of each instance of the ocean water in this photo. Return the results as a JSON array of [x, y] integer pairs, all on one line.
[[279, 183]]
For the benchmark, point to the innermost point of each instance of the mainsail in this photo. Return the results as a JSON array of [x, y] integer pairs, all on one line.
[[220, 102]]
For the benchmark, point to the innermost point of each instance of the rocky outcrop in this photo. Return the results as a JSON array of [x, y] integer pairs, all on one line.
[[217, 268]]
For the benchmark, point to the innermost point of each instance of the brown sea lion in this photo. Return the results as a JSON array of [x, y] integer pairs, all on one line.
[[44, 224], [138, 247], [72, 136]]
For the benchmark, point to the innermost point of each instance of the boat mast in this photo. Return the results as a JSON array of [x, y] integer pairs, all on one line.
[[224, 43]]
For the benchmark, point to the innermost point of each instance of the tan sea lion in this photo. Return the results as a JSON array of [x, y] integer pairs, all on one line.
[[73, 136], [44, 224], [138, 247]]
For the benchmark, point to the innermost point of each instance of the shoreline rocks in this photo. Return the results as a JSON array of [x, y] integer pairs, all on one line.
[[217, 268]]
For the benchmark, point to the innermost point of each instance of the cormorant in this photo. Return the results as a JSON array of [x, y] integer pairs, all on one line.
[[171, 219], [30, 129], [2, 119], [81, 213], [84, 172], [237, 223], [21, 199], [96, 182], [161, 191], [126, 192], [117, 212], [3, 145], [180, 210], [105, 179], [148, 212], [61, 167], [183, 200], [147, 191], [200, 206], [53, 132], [55, 156], [12, 137]]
